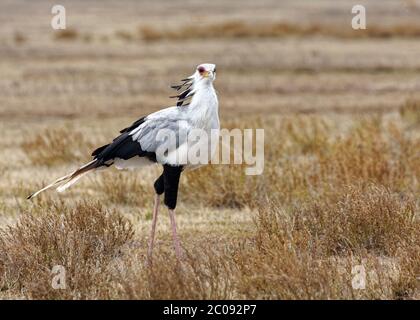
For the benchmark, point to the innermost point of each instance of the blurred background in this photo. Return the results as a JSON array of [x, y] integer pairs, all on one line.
[[117, 58]]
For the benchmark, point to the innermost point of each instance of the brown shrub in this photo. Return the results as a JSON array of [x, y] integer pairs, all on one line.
[[305, 251], [301, 252], [205, 273], [296, 254], [84, 240], [358, 219], [286, 273]]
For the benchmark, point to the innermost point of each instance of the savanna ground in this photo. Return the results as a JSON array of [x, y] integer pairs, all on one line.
[[340, 189]]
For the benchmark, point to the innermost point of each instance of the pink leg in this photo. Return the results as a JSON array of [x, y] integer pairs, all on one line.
[[152, 233], [175, 236]]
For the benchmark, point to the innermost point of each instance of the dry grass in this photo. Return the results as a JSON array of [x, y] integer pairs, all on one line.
[[125, 188], [305, 252], [309, 250], [410, 112], [204, 274], [55, 146], [66, 35], [239, 29], [85, 240], [221, 186], [341, 181], [360, 218], [313, 158], [330, 198]]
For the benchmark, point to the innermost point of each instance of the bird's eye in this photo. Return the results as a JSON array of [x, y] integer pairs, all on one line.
[[201, 69]]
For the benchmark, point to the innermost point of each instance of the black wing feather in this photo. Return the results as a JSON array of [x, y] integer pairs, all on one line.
[[134, 125], [123, 147]]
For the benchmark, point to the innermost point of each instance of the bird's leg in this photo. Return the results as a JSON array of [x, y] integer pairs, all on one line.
[[171, 176], [152, 233], [177, 244]]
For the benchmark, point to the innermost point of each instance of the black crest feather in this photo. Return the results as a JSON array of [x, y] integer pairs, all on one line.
[[185, 96]]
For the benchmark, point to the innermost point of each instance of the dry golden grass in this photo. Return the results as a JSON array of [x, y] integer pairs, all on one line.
[[125, 188], [359, 218], [55, 146], [410, 111], [308, 251], [205, 273], [341, 182], [310, 158], [328, 200], [305, 252], [221, 186], [239, 29], [85, 240]]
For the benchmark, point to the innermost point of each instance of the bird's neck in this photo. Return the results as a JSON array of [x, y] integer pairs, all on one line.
[[204, 107], [204, 96]]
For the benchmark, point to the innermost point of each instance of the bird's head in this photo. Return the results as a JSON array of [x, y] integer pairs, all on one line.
[[204, 75], [206, 72]]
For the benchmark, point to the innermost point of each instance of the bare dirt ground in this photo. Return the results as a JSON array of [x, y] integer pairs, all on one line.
[[341, 114]]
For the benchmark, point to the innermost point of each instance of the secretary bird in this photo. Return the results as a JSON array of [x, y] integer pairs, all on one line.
[[138, 144]]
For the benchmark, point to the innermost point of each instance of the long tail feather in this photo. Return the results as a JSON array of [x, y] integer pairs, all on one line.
[[71, 178], [70, 182]]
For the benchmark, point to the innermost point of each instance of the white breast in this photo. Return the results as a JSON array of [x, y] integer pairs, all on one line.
[[204, 115]]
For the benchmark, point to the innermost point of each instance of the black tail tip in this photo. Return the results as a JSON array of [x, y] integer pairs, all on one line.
[[30, 197]]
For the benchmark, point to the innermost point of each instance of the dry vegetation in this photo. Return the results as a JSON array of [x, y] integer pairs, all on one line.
[[58, 145], [342, 156], [236, 29], [239, 29], [326, 203], [86, 240], [66, 35], [410, 111]]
